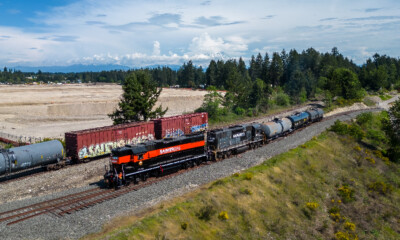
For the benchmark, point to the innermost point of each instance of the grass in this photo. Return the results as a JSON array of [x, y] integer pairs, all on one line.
[[385, 97], [325, 189]]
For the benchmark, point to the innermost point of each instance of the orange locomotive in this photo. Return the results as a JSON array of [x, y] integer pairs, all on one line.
[[133, 162]]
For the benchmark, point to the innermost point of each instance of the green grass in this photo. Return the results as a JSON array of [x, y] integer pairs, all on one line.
[[385, 97], [316, 191]]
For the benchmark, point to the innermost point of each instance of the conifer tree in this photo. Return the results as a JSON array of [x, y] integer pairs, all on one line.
[[137, 102]]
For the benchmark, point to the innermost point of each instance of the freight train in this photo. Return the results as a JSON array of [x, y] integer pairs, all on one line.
[[93, 143], [132, 163]]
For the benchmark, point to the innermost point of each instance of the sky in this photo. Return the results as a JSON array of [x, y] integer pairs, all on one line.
[[137, 33]]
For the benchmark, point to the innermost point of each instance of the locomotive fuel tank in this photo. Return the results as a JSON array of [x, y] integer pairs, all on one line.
[[29, 156]]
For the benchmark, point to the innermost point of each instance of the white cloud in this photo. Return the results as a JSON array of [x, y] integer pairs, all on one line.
[[156, 48], [124, 32]]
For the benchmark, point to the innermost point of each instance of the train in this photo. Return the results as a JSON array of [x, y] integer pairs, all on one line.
[[89, 144], [137, 162]]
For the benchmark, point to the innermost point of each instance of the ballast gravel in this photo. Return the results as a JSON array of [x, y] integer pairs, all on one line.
[[91, 220]]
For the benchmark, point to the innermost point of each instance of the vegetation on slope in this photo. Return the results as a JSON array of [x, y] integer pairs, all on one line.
[[332, 187]]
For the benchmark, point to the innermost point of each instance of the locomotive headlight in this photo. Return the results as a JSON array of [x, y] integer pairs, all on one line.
[[140, 163]]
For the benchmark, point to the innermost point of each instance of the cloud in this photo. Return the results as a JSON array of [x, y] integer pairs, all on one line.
[[156, 48], [373, 18], [95, 23], [214, 21], [328, 19], [13, 11], [65, 38], [101, 15], [269, 17], [205, 44], [372, 9], [206, 3], [165, 18]]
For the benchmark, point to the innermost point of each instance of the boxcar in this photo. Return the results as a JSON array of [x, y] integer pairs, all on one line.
[[97, 142], [170, 127]]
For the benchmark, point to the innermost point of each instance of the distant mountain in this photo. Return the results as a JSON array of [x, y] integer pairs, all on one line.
[[85, 68], [72, 68]]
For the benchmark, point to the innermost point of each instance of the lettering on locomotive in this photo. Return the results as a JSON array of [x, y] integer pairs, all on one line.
[[170, 150]]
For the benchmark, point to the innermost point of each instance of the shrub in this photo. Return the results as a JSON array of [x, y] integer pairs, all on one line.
[[339, 128], [370, 159], [248, 176], [239, 111], [334, 209], [184, 226], [380, 187], [345, 236], [245, 191], [364, 118], [282, 99], [349, 226], [223, 216], [346, 193], [206, 213], [356, 131], [312, 206]]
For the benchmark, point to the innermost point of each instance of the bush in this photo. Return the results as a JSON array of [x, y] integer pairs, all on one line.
[[206, 213], [345, 236], [364, 118], [282, 99], [223, 216], [184, 226], [380, 187], [245, 191], [356, 131], [339, 128], [312, 206], [239, 111], [349, 226], [346, 193], [248, 176]]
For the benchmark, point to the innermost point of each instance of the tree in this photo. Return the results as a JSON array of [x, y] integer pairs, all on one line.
[[139, 97], [345, 83], [391, 127]]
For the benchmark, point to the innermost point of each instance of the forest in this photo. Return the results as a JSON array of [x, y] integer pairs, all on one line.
[[280, 78]]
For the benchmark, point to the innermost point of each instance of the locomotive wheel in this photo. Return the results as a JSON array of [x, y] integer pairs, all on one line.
[[144, 177], [229, 153]]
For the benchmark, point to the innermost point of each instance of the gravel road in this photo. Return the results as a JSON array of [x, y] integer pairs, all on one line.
[[91, 220]]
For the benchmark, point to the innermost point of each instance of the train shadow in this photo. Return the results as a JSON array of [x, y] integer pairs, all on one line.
[[20, 175]]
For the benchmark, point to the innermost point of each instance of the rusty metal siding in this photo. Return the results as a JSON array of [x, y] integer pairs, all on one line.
[[180, 125], [99, 141]]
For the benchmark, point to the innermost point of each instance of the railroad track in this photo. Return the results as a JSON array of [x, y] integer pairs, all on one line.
[[71, 203], [68, 204]]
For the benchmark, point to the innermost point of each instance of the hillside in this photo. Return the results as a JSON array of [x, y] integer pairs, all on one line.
[[332, 187]]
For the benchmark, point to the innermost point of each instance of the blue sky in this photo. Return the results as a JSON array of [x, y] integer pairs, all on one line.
[[139, 33]]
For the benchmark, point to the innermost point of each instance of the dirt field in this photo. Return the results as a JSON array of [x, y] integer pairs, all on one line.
[[51, 110]]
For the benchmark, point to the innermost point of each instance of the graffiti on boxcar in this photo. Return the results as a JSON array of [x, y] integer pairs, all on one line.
[[199, 128], [105, 148], [173, 133]]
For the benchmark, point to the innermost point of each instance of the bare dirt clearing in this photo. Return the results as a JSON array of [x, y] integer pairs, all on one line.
[[51, 110]]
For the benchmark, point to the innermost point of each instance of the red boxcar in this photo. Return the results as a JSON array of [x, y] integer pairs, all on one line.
[[99, 141], [179, 125]]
